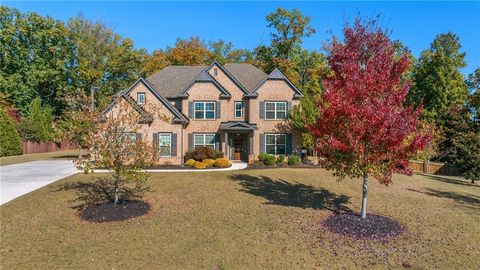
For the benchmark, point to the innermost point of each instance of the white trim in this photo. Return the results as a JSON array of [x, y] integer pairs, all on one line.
[[204, 140], [275, 144], [144, 97], [275, 110], [159, 143], [235, 109], [204, 111]]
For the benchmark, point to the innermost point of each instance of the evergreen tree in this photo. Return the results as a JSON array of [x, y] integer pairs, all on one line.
[[38, 125], [10, 142]]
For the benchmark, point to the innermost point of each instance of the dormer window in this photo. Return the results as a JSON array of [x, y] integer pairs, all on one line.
[[215, 71], [140, 98]]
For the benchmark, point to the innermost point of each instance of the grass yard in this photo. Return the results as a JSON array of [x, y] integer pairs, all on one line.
[[251, 219], [67, 154]]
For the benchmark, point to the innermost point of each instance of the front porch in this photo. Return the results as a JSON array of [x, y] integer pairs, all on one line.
[[238, 138]]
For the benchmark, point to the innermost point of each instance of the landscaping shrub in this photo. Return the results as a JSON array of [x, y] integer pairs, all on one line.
[[280, 159], [219, 154], [199, 165], [189, 155], [222, 163], [190, 162], [263, 156], [202, 152], [270, 160], [294, 160], [208, 162], [10, 142]]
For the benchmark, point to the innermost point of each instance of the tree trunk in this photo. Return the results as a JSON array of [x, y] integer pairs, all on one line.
[[315, 156], [473, 181], [364, 196], [80, 153], [115, 202]]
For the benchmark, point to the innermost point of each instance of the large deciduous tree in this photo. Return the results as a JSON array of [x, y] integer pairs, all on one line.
[[103, 59], [36, 56], [364, 129], [438, 83]]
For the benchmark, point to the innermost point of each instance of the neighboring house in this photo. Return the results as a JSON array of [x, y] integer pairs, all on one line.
[[234, 108]]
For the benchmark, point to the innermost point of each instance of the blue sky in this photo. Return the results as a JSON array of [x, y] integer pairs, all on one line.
[[154, 25]]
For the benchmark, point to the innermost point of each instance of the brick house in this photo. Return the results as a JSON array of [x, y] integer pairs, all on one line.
[[233, 108]]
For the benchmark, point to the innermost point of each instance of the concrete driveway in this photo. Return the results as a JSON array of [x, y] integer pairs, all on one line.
[[19, 179]]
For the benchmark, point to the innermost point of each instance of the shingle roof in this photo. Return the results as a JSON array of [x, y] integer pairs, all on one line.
[[172, 80], [246, 74]]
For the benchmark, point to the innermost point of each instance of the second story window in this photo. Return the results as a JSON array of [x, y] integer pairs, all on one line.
[[238, 109], [140, 98], [276, 110], [204, 110]]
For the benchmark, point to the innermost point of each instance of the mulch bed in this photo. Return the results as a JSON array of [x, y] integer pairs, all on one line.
[[108, 212], [373, 227]]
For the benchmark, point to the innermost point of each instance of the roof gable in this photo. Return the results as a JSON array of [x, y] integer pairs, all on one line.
[[229, 75], [277, 75], [178, 117], [203, 76]]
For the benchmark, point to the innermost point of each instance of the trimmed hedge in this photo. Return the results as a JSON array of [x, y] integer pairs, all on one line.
[[10, 141]]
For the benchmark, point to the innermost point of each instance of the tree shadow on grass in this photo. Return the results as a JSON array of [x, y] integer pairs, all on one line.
[[99, 191], [449, 180], [281, 192], [467, 200]]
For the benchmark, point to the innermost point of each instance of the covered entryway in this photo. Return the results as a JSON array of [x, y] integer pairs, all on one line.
[[237, 144], [238, 140]]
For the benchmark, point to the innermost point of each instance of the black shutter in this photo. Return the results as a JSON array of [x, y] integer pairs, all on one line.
[[190, 142], [288, 146], [174, 145], [218, 107], [261, 111], [190, 109], [289, 108], [262, 143], [217, 141], [155, 144]]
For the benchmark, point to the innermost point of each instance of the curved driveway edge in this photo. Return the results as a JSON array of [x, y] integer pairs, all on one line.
[[235, 166], [19, 179]]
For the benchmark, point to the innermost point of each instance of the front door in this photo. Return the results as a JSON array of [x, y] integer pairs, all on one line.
[[237, 146]]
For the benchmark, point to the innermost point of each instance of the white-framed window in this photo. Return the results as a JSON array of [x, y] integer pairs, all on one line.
[[275, 110], [238, 109], [204, 140], [215, 71], [275, 144], [140, 98], [204, 109], [165, 144]]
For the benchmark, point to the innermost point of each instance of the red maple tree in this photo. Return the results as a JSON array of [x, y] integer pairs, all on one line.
[[364, 128]]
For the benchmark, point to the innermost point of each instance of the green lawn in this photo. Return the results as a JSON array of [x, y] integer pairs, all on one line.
[[251, 219], [67, 154]]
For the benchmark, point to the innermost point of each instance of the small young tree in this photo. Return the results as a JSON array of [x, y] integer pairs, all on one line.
[[364, 129], [304, 115], [118, 146], [79, 121]]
